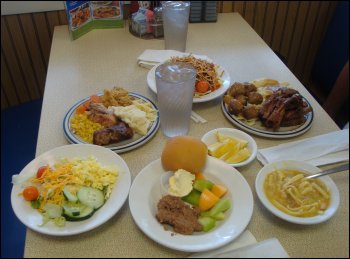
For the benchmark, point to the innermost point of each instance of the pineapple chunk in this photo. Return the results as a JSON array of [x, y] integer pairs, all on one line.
[[229, 149], [224, 148], [231, 152], [213, 147], [240, 156], [222, 138]]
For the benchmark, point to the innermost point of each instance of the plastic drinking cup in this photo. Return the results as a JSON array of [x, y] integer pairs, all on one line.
[[175, 23], [175, 84]]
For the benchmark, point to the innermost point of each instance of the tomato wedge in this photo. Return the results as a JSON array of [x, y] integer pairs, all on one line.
[[30, 193], [202, 86], [40, 171]]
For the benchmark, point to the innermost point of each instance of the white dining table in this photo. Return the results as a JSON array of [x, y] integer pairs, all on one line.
[[104, 58]]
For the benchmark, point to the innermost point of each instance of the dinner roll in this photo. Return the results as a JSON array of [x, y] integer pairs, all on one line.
[[184, 152]]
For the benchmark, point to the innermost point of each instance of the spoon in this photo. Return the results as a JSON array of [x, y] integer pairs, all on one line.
[[330, 171]]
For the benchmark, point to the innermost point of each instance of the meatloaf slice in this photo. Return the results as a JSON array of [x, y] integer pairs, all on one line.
[[175, 212]]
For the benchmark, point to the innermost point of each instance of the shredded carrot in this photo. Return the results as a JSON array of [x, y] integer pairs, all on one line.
[[53, 181]]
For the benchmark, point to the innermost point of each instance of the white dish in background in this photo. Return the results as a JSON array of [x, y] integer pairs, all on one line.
[[146, 191], [120, 147], [225, 78], [210, 138], [32, 218], [307, 169]]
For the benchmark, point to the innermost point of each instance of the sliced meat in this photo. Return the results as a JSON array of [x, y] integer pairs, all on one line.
[[285, 107], [173, 211], [114, 134]]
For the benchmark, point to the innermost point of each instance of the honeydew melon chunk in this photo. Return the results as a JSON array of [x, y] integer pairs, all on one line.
[[221, 206], [219, 216], [202, 184], [192, 197], [207, 223]]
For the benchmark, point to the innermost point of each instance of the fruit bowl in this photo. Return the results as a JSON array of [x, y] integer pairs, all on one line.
[[233, 146]]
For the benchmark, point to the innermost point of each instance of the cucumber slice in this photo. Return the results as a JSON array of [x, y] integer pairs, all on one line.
[[73, 209], [85, 213], [68, 192], [91, 197]]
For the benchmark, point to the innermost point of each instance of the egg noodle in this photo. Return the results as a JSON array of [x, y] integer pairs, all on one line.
[[80, 172], [206, 71], [290, 192]]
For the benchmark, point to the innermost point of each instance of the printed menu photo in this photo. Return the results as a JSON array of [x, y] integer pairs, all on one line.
[[83, 16]]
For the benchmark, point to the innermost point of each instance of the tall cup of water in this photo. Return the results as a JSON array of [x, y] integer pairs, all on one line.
[[175, 23], [175, 84]]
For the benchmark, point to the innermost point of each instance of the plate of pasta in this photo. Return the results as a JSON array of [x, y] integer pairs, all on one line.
[[284, 191], [212, 80]]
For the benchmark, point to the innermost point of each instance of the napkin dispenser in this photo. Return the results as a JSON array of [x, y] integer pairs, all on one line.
[[203, 11]]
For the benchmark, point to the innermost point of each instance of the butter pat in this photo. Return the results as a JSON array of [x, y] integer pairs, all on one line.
[[136, 118], [180, 184]]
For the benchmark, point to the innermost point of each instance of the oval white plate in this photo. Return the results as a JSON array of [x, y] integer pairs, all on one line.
[[145, 193], [210, 138], [260, 130], [119, 147], [306, 168], [32, 218], [225, 78]]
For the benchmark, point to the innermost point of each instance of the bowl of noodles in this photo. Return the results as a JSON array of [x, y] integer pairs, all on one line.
[[283, 190]]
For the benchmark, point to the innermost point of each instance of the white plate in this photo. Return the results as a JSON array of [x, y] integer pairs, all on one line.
[[210, 138], [225, 78], [120, 147], [145, 193], [305, 168], [32, 218], [260, 130]]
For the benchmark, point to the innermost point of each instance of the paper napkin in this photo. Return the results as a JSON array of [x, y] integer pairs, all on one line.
[[152, 57], [246, 246], [321, 150]]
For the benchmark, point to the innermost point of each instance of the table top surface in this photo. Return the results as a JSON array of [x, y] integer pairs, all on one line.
[[102, 59]]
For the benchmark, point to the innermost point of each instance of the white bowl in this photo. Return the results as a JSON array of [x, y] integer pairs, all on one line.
[[210, 138], [307, 169]]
